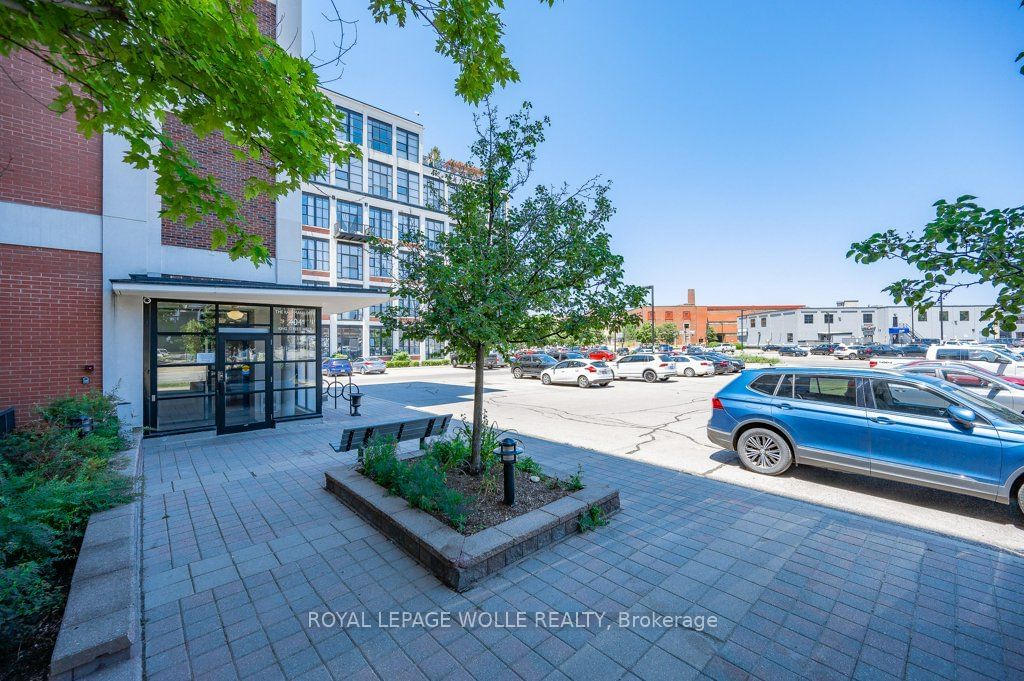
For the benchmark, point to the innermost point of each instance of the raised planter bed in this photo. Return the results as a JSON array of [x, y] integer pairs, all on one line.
[[456, 559]]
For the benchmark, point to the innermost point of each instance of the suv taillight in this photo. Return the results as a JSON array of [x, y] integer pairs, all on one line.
[[873, 363], [716, 403], [591, 369], [663, 364]]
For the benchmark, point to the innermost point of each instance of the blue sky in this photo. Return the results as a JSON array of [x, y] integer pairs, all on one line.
[[748, 142]]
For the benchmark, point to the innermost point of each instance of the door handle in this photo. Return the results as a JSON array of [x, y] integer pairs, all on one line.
[[884, 420], [783, 405]]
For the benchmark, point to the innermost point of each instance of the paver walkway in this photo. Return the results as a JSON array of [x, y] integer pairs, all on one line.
[[241, 542]]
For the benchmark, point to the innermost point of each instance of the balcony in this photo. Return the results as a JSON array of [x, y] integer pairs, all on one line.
[[351, 231]]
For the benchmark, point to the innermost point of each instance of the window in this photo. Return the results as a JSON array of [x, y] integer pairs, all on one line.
[[380, 263], [380, 135], [789, 338], [965, 316], [408, 227], [922, 315], [350, 261], [314, 254], [951, 354], [808, 319], [315, 284], [315, 210], [904, 398], [410, 306], [349, 175], [838, 390], [944, 315], [433, 193], [350, 316], [380, 223], [350, 217], [380, 341], [975, 355], [408, 345], [966, 380], [764, 321], [324, 177], [404, 259], [351, 128], [765, 384], [377, 310], [868, 318], [785, 387], [380, 179], [407, 144], [669, 314], [408, 188], [350, 341], [434, 230], [829, 318]]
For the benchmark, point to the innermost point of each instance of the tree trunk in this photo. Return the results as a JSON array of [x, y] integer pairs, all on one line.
[[478, 407]]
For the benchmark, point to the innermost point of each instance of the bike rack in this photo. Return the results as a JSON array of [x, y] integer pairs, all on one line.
[[349, 392]]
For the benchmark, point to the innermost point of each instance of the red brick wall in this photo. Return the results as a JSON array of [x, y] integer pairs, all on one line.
[[214, 156], [43, 159], [51, 308]]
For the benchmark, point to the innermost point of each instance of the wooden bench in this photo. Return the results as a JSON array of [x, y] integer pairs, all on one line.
[[403, 431]]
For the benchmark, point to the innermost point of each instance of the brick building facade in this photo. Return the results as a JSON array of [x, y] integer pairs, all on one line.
[[693, 320]]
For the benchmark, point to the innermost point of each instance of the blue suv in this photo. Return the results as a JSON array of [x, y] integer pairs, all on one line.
[[909, 428]]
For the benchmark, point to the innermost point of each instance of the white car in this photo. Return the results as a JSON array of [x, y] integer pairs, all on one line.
[[725, 348], [972, 379], [582, 372], [991, 359], [693, 366], [648, 366], [846, 352]]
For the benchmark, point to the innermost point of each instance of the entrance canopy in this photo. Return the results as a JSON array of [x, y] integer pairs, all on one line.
[[330, 299]]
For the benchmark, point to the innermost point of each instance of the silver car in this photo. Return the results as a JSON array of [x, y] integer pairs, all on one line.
[[369, 365], [975, 380]]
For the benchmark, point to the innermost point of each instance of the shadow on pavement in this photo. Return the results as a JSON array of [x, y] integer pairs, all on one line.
[[422, 393]]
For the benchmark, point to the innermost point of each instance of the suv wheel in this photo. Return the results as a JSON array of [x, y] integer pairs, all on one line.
[[688, 372], [545, 379], [517, 373], [650, 376], [764, 451], [583, 382]]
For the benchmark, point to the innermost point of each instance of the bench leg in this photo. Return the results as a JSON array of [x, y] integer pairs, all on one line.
[[423, 443], [359, 455]]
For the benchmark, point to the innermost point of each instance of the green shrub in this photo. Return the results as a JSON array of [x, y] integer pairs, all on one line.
[[591, 519], [449, 454], [400, 357], [52, 479], [529, 466], [433, 362], [398, 363], [758, 359], [575, 481]]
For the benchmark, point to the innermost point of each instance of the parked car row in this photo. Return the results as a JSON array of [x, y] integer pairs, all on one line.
[[650, 366], [931, 423], [336, 366]]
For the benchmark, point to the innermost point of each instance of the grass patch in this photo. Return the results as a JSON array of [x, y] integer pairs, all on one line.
[[758, 359]]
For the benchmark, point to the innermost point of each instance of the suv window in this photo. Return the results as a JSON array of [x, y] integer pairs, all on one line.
[[965, 379], [903, 398], [840, 390], [765, 384], [643, 358], [954, 354], [785, 387], [982, 356]]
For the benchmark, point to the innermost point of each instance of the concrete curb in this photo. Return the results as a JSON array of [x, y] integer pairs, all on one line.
[[457, 560], [100, 634]]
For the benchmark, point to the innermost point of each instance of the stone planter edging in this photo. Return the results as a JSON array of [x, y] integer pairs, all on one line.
[[457, 560]]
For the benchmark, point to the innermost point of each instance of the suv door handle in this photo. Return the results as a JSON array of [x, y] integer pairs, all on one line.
[[783, 405], [884, 420]]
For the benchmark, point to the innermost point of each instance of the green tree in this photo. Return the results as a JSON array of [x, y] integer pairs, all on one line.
[[712, 335], [513, 271], [965, 245], [667, 333], [127, 64], [645, 334]]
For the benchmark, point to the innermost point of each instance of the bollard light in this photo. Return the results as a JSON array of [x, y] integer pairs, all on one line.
[[83, 424], [509, 453], [355, 401]]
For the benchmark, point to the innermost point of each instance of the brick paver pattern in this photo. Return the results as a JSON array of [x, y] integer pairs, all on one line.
[[241, 542]]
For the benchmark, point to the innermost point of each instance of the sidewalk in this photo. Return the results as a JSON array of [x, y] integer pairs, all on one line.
[[241, 542]]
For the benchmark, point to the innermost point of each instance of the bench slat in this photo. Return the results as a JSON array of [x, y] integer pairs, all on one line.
[[413, 429]]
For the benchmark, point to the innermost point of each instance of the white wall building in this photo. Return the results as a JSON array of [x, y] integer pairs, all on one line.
[[850, 322], [390, 190]]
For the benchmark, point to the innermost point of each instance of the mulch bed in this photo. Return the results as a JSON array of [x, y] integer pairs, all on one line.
[[487, 510]]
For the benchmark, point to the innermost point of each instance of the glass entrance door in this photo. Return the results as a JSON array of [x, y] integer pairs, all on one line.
[[243, 382]]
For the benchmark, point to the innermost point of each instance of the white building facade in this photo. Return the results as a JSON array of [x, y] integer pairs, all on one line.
[[391, 190], [851, 322]]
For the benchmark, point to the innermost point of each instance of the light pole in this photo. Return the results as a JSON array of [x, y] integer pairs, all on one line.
[[651, 287], [942, 322]]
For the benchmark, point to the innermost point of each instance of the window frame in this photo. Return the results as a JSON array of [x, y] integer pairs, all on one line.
[[376, 139], [321, 251]]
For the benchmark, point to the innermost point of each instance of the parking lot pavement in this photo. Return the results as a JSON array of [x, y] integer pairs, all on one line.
[[663, 424]]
